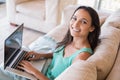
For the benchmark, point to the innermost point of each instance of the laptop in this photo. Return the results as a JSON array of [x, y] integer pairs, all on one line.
[[13, 54]]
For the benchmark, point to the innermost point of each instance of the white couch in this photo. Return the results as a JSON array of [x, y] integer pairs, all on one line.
[[104, 64], [40, 15]]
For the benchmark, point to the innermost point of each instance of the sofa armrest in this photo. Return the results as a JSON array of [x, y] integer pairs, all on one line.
[[58, 32], [11, 8], [43, 44], [81, 70]]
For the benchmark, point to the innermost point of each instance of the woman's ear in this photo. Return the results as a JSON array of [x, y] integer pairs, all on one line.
[[92, 29]]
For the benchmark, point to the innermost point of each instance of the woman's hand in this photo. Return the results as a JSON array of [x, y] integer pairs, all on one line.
[[27, 66], [32, 56]]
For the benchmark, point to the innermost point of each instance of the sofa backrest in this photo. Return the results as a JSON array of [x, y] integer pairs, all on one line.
[[105, 53], [115, 71]]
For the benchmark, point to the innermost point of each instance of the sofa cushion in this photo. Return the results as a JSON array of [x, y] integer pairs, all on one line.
[[113, 20], [106, 51], [34, 8], [114, 74], [102, 16], [80, 70], [102, 20]]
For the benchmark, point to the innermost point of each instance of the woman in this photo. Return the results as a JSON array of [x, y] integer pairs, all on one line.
[[78, 44]]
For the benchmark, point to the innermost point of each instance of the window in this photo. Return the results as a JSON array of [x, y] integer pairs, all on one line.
[[86, 2], [110, 5]]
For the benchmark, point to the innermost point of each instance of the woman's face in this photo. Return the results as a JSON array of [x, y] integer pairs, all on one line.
[[80, 24]]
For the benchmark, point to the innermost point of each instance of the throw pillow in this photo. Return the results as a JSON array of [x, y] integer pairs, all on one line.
[[102, 16]]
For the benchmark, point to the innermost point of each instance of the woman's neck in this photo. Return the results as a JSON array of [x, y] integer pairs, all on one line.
[[80, 43]]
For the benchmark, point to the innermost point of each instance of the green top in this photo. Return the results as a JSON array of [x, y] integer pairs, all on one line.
[[60, 63]]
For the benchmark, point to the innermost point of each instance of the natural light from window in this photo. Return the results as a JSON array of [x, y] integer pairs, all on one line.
[[86, 2], [109, 5]]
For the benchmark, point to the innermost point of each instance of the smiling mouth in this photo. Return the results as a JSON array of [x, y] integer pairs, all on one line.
[[76, 30]]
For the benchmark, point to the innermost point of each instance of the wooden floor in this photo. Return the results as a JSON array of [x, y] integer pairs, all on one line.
[[5, 30]]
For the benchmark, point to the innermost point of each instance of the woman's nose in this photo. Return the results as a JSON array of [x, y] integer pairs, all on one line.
[[76, 24]]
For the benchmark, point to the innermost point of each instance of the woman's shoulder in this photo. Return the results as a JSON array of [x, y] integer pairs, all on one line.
[[86, 49]]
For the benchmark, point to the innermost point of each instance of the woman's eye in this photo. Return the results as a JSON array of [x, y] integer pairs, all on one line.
[[84, 22], [74, 18]]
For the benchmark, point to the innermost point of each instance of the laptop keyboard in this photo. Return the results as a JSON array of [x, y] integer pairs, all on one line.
[[19, 59]]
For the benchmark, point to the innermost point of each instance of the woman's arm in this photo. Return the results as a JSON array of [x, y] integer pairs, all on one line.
[[27, 66], [39, 75], [36, 56], [48, 55], [82, 56]]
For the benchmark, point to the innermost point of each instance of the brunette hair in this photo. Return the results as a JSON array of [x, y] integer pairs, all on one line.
[[93, 37]]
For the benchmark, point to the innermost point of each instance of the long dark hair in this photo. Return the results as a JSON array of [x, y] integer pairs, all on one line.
[[93, 37]]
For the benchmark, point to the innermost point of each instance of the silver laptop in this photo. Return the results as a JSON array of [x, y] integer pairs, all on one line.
[[13, 54]]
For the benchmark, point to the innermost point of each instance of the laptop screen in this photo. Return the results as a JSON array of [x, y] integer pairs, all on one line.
[[13, 45]]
